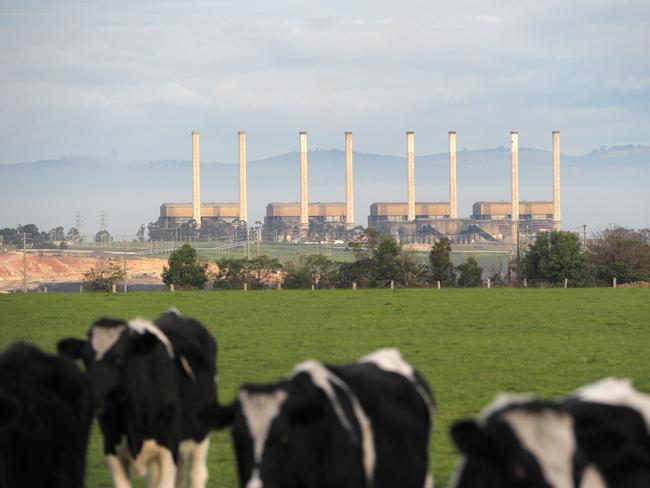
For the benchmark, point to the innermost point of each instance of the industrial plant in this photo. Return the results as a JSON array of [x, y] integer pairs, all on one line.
[[411, 221]]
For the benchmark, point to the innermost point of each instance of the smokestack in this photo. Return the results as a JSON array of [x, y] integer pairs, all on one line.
[[410, 176], [196, 178], [514, 213], [557, 216], [243, 199], [304, 198], [453, 207], [349, 183]]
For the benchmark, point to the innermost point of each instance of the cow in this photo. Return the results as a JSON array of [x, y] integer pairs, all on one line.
[[45, 417], [596, 438], [149, 380], [360, 425], [612, 424]]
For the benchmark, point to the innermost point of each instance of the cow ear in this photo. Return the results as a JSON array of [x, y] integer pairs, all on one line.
[[306, 413], [217, 417], [604, 445], [472, 440], [9, 412], [145, 343], [71, 347]]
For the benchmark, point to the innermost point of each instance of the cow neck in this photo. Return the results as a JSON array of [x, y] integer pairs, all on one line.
[[325, 380]]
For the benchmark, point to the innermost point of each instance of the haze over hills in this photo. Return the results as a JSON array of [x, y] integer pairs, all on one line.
[[603, 187]]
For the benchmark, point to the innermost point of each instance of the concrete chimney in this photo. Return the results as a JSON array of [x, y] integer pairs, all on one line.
[[304, 197], [196, 178], [557, 215], [453, 206], [410, 176], [514, 213], [243, 199], [349, 183]]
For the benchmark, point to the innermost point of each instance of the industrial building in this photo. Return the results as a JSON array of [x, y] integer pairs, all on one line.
[[411, 221], [180, 213]]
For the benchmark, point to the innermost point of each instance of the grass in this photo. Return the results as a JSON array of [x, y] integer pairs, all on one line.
[[470, 344]]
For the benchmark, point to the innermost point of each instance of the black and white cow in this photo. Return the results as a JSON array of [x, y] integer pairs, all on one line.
[[149, 380], [45, 417], [612, 424], [598, 438], [360, 425]]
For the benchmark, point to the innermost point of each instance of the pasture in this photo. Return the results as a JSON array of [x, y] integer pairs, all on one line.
[[470, 344]]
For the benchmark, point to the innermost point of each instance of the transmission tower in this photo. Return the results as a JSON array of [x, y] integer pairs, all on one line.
[[103, 221], [78, 221]]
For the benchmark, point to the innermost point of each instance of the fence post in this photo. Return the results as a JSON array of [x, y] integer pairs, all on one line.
[[566, 282], [438, 283], [354, 285], [81, 288], [45, 290], [312, 287], [279, 285], [245, 286], [614, 282], [171, 287], [114, 288], [525, 283], [392, 284], [489, 283]]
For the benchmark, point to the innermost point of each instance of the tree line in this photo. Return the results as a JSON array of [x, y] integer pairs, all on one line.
[[380, 262]]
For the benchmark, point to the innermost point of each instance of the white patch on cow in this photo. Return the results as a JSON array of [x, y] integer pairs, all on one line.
[[549, 436], [255, 481], [188, 369], [503, 400], [103, 338], [323, 378], [165, 469], [591, 478], [260, 409], [175, 311], [616, 391], [192, 467], [428, 481], [390, 359], [118, 473], [141, 326]]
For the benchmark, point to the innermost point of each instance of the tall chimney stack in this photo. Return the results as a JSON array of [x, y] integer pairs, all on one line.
[[349, 183], [243, 198], [304, 198], [453, 206], [196, 178], [514, 213], [557, 215], [410, 176]]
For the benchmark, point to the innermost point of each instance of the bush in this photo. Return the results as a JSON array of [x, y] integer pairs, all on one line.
[[470, 274], [107, 273], [297, 277], [184, 269], [621, 253], [555, 256], [259, 272]]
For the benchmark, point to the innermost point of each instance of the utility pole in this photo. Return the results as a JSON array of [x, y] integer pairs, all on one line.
[[248, 243], [24, 263], [125, 266], [584, 237]]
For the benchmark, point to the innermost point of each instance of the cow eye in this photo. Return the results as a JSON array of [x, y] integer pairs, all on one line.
[[520, 471]]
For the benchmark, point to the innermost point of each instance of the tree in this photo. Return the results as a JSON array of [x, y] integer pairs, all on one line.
[[621, 253], [102, 277], [441, 267], [297, 276], [140, 233], [185, 270], [470, 274], [73, 235], [259, 272], [322, 270], [555, 256], [103, 237], [389, 263], [230, 274]]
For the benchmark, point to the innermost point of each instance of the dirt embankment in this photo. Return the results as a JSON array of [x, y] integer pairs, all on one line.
[[69, 268]]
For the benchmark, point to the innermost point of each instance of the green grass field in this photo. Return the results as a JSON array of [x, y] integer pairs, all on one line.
[[470, 344]]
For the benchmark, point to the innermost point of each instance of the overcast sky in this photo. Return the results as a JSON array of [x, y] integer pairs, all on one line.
[[135, 77]]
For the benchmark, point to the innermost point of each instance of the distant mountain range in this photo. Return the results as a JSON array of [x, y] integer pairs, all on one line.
[[606, 186]]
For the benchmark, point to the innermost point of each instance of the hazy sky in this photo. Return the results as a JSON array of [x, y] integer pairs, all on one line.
[[135, 77]]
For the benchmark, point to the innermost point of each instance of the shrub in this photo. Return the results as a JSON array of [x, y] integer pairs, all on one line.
[[102, 277], [185, 270]]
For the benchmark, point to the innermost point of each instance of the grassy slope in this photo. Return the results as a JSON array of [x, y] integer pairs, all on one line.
[[470, 344]]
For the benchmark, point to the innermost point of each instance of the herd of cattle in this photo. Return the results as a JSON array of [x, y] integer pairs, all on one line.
[[152, 388]]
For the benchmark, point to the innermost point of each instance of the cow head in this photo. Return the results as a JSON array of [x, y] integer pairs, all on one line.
[[518, 444], [111, 345], [266, 422]]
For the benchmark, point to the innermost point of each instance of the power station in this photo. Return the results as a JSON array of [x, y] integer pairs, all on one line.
[[409, 221]]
